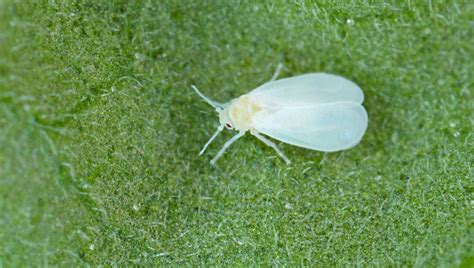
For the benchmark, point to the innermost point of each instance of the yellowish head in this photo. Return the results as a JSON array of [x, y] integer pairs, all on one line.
[[239, 113]]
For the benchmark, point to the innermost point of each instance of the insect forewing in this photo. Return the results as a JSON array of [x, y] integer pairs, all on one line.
[[325, 127], [308, 89]]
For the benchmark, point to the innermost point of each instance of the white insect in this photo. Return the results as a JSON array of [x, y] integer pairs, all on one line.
[[317, 111]]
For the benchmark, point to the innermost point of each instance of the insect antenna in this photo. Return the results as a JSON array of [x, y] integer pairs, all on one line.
[[218, 106], [226, 145], [219, 129]]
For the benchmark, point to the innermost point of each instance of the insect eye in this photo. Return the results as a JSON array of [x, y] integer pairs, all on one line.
[[228, 126]]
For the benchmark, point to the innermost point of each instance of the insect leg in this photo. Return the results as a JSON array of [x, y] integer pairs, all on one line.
[[271, 144], [218, 106], [226, 145], [277, 72], [219, 129]]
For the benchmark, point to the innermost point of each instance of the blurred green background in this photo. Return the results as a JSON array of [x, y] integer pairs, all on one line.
[[100, 130]]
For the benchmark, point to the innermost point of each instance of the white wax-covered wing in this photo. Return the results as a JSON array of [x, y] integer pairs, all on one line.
[[313, 88], [325, 127]]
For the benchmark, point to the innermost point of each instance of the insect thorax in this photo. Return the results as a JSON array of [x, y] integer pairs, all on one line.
[[241, 112]]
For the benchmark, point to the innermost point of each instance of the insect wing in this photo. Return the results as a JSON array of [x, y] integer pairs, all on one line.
[[308, 89], [325, 127]]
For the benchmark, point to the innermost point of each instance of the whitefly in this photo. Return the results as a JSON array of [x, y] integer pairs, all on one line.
[[317, 111]]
